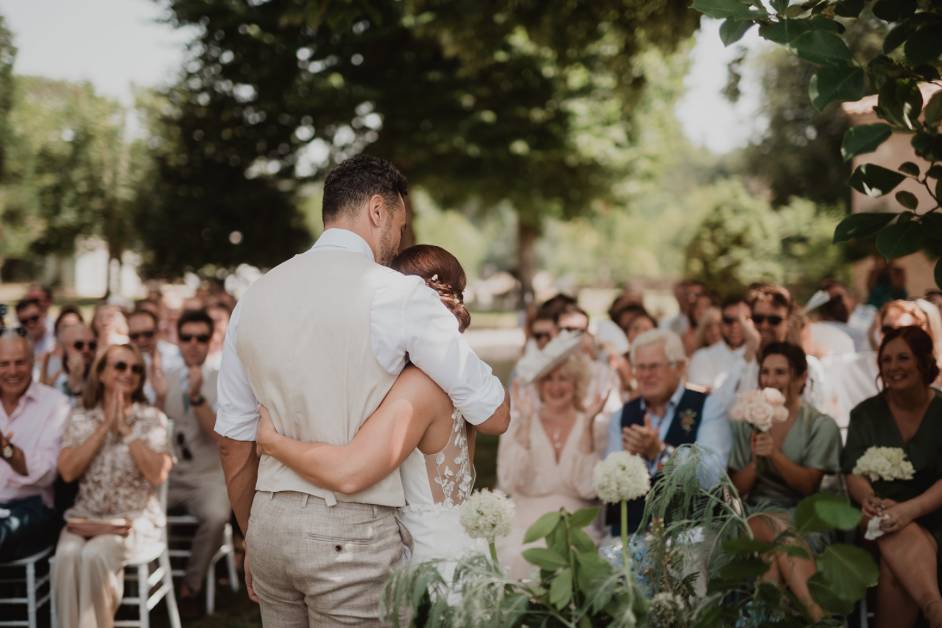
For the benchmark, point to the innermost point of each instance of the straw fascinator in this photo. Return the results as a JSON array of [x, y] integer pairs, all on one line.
[[538, 362]]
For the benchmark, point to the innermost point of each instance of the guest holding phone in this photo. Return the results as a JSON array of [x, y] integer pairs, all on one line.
[[116, 446]]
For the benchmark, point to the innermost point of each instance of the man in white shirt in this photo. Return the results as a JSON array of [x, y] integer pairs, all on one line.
[[319, 340], [709, 366]]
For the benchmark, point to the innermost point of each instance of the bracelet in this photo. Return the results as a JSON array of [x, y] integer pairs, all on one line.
[[197, 401]]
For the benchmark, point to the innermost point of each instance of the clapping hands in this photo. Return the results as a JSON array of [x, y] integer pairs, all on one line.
[[643, 440]]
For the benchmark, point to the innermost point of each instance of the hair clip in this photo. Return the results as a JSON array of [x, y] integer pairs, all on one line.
[[434, 277]]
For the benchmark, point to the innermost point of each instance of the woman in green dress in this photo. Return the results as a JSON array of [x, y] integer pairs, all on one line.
[[777, 469], [907, 414]]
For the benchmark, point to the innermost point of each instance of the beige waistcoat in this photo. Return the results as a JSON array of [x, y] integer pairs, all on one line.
[[304, 339]]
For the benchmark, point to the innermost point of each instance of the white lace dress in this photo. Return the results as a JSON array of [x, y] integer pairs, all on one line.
[[435, 487]]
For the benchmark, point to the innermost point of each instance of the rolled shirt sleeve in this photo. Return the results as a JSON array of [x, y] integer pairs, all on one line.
[[408, 321], [41, 461], [237, 407]]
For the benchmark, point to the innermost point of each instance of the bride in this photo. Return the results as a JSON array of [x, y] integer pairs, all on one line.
[[415, 426]]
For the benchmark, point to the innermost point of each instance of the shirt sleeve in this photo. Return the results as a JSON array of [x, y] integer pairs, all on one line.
[[714, 440], [614, 433], [42, 461], [698, 372], [236, 405], [408, 318]]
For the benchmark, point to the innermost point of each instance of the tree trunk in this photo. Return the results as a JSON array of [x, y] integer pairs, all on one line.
[[527, 235]]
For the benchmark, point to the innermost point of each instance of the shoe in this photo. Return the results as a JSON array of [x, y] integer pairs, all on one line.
[[190, 607]]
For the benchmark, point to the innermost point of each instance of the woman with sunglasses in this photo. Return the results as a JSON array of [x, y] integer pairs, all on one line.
[[907, 415], [116, 446]]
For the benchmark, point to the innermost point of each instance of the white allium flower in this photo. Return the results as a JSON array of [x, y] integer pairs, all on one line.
[[667, 609], [487, 515], [621, 476], [884, 463]]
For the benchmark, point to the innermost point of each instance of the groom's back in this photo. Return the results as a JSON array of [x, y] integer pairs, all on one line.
[[304, 339]]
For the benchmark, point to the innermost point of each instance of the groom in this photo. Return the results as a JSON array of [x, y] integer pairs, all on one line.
[[319, 341]]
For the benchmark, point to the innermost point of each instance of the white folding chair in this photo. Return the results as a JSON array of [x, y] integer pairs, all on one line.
[[182, 554], [34, 600]]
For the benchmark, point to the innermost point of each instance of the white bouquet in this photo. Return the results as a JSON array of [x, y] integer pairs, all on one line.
[[884, 463], [759, 408], [487, 515], [621, 477]]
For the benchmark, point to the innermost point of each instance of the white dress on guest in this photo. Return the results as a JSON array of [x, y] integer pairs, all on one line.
[[436, 486]]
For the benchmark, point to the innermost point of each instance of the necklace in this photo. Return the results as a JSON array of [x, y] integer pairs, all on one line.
[[556, 433]]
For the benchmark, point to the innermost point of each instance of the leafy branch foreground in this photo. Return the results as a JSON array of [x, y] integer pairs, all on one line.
[[698, 566]]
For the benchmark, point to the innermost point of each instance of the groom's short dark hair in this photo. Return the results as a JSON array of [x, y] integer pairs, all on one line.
[[355, 180]]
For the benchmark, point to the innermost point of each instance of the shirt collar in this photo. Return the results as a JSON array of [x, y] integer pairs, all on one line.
[[345, 240], [673, 401], [30, 394]]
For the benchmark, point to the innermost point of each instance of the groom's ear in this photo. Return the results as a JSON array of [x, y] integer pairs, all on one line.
[[376, 210]]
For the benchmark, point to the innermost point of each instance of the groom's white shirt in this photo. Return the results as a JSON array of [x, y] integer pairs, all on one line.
[[406, 317]]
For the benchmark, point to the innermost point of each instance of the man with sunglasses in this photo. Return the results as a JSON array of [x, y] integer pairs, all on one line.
[[32, 418], [159, 356], [30, 315], [79, 348], [710, 366], [197, 483]]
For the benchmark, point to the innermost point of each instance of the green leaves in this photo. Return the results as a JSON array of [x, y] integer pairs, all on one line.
[[849, 571], [933, 111], [544, 558], [874, 180], [838, 82], [732, 30], [863, 138], [924, 46], [822, 47], [541, 527], [824, 512], [901, 238], [907, 199], [894, 10], [724, 8], [849, 8], [900, 103], [584, 517], [561, 589]]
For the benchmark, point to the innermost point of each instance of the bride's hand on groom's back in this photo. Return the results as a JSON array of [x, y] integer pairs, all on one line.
[[266, 434]]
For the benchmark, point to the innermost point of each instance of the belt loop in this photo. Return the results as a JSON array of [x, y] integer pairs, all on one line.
[[271, 495], [307, 497]]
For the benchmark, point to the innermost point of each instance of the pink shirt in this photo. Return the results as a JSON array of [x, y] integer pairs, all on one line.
[[37, 424]]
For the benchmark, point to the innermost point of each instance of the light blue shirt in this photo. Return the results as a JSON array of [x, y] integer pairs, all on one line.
[[714, 438]]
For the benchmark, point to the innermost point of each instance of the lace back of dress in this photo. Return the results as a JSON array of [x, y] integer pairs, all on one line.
[[450, 472]]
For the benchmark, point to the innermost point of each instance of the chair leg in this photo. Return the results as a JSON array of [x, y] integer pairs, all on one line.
[[171, 599], [53, 616], [143, 594], [234, 583], [210, 587], [31, 594]]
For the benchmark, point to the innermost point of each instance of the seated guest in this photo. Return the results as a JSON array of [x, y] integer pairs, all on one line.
[[116, 446], [543, 329], [692, 338], [777, 469], [142, 332], [51, 365], [667, 413], [907, 414], [546, 458], [708, 330], [79, 348], [220, 315], [31, 318], [196, 482], [32, 417], [710, 365], [109, 325]]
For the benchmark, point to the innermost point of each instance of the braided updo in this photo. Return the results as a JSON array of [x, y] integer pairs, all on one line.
[[442, 273]]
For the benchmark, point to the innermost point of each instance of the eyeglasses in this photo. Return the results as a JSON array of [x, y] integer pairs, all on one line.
[[774, 320], [729, 320], [184, 450], [19, 331], [80, 345], [540, 336], [641, 368], [121, 366], [577, 330], [30, 320], [142, 334], [201, 338]]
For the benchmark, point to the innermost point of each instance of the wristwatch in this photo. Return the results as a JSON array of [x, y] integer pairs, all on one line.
[[7, 451], [197, 401]]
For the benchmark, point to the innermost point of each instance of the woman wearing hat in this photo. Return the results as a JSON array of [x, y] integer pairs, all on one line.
[[546, 458]]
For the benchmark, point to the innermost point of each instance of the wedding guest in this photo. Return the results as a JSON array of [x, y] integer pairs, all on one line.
[[31, 318], [702, 304], [196, 482], [546, 458], [710, 365], [907, 415], [142, 332], [42, 294], [116, 446], [708, 330], [555, 304], [775, 470], [32, 417], [79, 350], [861, 315], [220, 315], [667, 413], [543, 329], [51, 364], [109, 325]]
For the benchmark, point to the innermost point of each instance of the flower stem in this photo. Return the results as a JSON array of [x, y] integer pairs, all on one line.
[[493, 548], [624, 552]]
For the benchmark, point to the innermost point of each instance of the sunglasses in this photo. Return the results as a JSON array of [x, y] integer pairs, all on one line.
[[774, 320], [729, 320], [121, 366], [30, 320], [184, 450], [577, 330], [539, 336], [142, 334], [201, 338], [19, 331], [80, 345]]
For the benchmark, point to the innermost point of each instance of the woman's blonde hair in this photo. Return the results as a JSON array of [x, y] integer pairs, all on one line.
[[576, 367], [95, 390]]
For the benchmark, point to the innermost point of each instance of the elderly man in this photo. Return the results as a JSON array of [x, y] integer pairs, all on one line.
[[32, 418], [30, 315], [668, 413], [196, 482], [709, 366]]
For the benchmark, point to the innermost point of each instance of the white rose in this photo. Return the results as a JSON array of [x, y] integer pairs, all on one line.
[[773, 396]]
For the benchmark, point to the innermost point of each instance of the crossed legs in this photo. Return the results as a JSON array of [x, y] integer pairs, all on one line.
[[908, 579]]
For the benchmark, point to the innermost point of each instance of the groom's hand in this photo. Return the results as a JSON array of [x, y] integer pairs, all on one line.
[[249, 584]]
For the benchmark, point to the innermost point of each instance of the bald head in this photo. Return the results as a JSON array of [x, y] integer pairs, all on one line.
[[16, 365]]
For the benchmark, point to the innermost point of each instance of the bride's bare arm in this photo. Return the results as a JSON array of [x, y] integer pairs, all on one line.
[[403, 421]]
